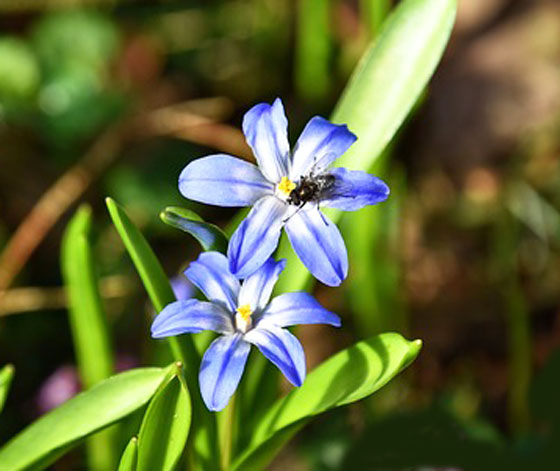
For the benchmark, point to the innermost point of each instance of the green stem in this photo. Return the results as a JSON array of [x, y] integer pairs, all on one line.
[[374, 13], [519, 334], [226, 425]]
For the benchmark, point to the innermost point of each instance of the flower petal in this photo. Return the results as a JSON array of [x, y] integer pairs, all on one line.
[[319, 245], [191, 316], [210, 273], [281, 348], [319, 145], [296, 308], [221, 369], [182, 287], [354, 189], [223, 180], [257, 288], [266, 130], [257, 236]]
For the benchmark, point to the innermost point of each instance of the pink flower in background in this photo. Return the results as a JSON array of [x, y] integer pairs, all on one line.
[[58, 388]]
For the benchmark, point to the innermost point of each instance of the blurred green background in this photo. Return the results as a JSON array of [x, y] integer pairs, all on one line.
[[115, 97]]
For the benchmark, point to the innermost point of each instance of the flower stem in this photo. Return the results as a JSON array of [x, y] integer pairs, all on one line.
[[226, 426]]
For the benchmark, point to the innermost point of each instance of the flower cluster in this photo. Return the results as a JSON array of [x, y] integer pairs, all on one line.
[[286, 190]]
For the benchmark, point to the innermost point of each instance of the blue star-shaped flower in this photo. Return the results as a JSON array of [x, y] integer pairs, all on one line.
[[285, 190], [243, 314]]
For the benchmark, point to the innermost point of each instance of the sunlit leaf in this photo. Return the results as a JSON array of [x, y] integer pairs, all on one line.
[[43, 441], [159, 290], [381, 92], [209, 236], [6, 377], [88, 323], [313, 48], [373, 13], [374, 286], [348, 376], [87, 316], [129, 457], [165, 427]]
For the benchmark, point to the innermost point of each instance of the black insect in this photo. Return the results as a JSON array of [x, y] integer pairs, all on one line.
[[311, 188]]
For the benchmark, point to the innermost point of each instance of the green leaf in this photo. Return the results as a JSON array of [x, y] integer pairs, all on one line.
[[373, 13], [43, 441], [129, 457], [87, 317], [6, 377], [374, 285], [165, 428], [381, 92], [313, 49], [392, 75], [159, 290], [153, 277], [88, 323], [151, 273], [209, 236], [348, 376]]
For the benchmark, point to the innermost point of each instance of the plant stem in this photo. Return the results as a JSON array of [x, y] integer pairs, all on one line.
[[226, 425], [518, 325]]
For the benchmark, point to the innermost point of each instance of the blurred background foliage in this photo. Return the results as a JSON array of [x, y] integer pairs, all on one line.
[[114, 98]]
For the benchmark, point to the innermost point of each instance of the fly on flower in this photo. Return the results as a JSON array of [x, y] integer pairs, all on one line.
[[286, 189], [244, 314]]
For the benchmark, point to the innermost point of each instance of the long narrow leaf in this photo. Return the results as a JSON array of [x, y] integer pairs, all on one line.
[[159, 290], [88, 323], [209, 236], [349, 376], [153, 277], [129, 457], [313, 49], [6, 377], [165, 427], [374, 287], [45, 440], [392, 75], [87, 316], [382, 91], [373, 13]]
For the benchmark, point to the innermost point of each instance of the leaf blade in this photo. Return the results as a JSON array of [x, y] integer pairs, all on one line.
[[129, 457], [6, 377], [383, 89], [183, 348], [209, 236], [88, 322], [392, 75], [86, 314], [346, 377], [84, 414], [165, 427]]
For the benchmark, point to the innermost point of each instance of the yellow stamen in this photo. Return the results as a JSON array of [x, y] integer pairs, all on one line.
[[286, 186], [245, 312]]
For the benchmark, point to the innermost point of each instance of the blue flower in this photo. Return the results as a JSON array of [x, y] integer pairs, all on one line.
[[285, 190], [244, 316]]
